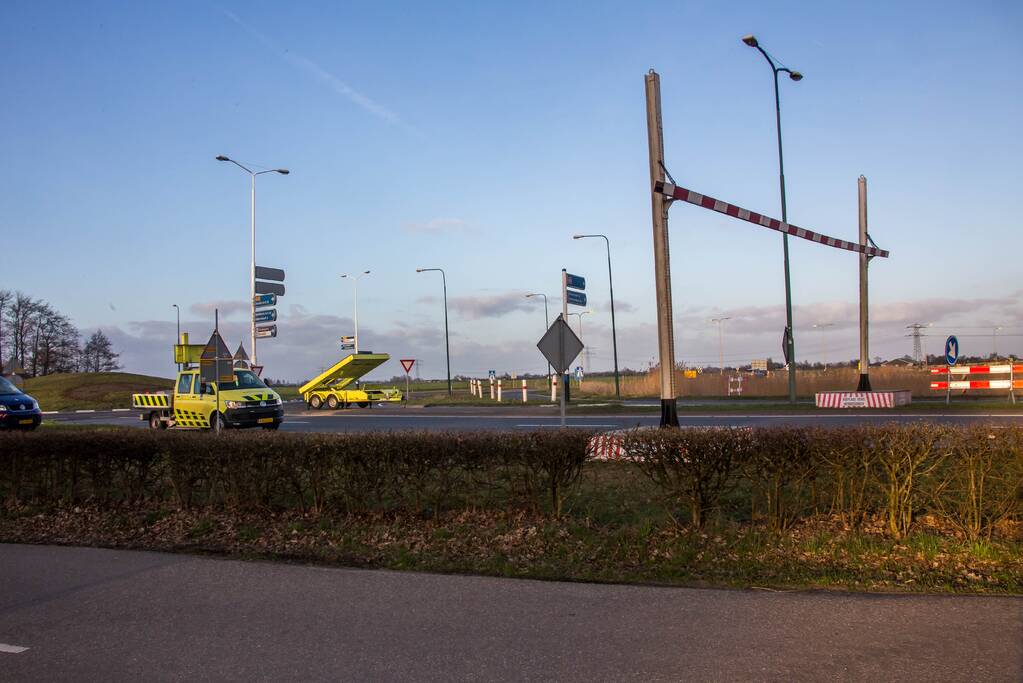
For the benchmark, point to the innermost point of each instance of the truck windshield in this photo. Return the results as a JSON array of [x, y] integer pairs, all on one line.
[[243, 379], [6, 388]]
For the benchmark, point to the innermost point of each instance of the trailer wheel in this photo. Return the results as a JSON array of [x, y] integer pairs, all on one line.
[[363, 404], [155, 422], [332, 402], [316, 403]]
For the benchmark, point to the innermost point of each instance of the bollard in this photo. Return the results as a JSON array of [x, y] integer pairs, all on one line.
[[554, 389], [491, 388], [525, 395], [498, 391]]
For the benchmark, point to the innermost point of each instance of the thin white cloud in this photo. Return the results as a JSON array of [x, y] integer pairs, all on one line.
[[437, 225], [319, 73]]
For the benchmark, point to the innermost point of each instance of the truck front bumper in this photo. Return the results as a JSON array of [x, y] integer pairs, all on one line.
[[20, 419], [256, 416]]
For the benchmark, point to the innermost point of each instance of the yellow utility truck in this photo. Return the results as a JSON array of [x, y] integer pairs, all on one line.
[[334, 387], [238, 400]]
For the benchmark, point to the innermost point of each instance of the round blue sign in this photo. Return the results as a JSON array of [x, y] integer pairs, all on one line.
[[951, 350]]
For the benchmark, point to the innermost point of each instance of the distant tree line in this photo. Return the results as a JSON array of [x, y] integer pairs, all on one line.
[[45, 341]]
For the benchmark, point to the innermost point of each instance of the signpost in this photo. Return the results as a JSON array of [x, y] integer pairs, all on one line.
[[951, 356], [407, 363], [266, 316], [560, 346], [216, 366], [268, 332], [571, 293], [576, 298], [264, 300]]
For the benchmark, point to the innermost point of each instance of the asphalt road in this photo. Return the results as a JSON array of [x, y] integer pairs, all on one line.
[[89, 614], [386, 418]]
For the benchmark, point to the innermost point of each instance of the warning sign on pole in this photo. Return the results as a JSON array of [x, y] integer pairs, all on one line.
[[407, 363]]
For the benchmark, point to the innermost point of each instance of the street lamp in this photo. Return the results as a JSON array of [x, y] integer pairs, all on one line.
[[355, 282], [585, 345], [821, 326], [789, 341], [177, 340], [252, 268], [547, 323], [614, 332], [721, 342], [447, 346]]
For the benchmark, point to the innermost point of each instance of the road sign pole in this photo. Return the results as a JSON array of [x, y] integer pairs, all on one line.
[[564, 316], [662, 263], [864, 384], [252, 272]]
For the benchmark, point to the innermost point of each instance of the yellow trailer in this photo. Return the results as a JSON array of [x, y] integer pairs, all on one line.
[[332, 387]]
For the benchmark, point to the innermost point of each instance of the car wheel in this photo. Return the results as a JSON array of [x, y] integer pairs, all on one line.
[[332, 402], [316, 403], [217, 423], [272, 427], [364, 404], [154, 420]]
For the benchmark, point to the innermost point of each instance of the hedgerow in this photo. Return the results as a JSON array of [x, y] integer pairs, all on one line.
[[969, 478]]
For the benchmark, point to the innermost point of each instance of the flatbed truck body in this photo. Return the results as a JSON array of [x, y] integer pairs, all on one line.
[[337, 387]]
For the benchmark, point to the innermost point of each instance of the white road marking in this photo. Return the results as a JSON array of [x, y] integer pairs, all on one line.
[[85, 411], [50, 412], [121, 410], [12, 649], [567, 425]]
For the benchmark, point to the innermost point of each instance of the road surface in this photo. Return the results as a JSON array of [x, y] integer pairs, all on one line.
[[386, 418], [89, 614]]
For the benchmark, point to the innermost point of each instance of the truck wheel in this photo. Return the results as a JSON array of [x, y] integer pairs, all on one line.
[[155, 422], [332, 402], [272, 427], [217, 423], [316, 403], [364, 404]]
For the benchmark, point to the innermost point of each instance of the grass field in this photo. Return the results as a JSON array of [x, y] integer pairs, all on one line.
[[98, 390]]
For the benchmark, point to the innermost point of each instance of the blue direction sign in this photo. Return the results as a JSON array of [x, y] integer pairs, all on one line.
[[267, 315], [575, 281], [951, 350], [265, 299], [576, 298]]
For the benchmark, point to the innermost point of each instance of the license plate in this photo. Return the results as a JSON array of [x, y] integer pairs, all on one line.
[[25, 422], [265, 420]]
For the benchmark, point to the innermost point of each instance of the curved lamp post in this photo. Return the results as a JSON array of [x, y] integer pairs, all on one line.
[[447, 347], [252, 268], [614, 332], [355, 281], [789, 341], [547, 324]]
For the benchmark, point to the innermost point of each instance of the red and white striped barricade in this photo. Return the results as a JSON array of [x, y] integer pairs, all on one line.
[[606, 446], [864, 399], [965, 372]]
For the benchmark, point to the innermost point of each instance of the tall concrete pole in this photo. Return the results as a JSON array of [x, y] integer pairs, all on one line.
[[662, 262], [864, 384]]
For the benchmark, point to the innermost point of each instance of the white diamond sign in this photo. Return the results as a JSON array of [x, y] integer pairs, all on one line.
[[560, 346]]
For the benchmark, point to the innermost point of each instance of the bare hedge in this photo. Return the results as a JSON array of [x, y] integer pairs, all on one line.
[[351, 472], [969, 477]]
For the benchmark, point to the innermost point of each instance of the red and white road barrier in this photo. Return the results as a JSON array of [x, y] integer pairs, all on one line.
[[863, 399], [606, 446], [525, 392], [1003, 369], [979, 384], [965, 383], [681, 193]]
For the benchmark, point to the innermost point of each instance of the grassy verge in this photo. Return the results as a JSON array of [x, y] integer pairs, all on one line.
[[98, 390], [614, 529]]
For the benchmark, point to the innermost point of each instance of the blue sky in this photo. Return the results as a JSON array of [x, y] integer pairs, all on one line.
[[478, 137]]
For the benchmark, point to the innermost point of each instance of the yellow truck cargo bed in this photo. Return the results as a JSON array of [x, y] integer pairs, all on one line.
[[345, 371]]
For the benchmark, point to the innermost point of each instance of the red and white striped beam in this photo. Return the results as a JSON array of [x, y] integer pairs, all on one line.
[[676, 192], [978, 370], [979, 384]]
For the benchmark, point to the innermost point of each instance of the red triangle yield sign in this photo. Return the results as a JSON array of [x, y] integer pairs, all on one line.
[[407, 363]]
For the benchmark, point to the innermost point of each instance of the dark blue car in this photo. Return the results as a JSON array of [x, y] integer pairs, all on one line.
[[18, 410]]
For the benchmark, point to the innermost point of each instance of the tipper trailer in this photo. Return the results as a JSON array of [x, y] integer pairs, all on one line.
[[331, 388]]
